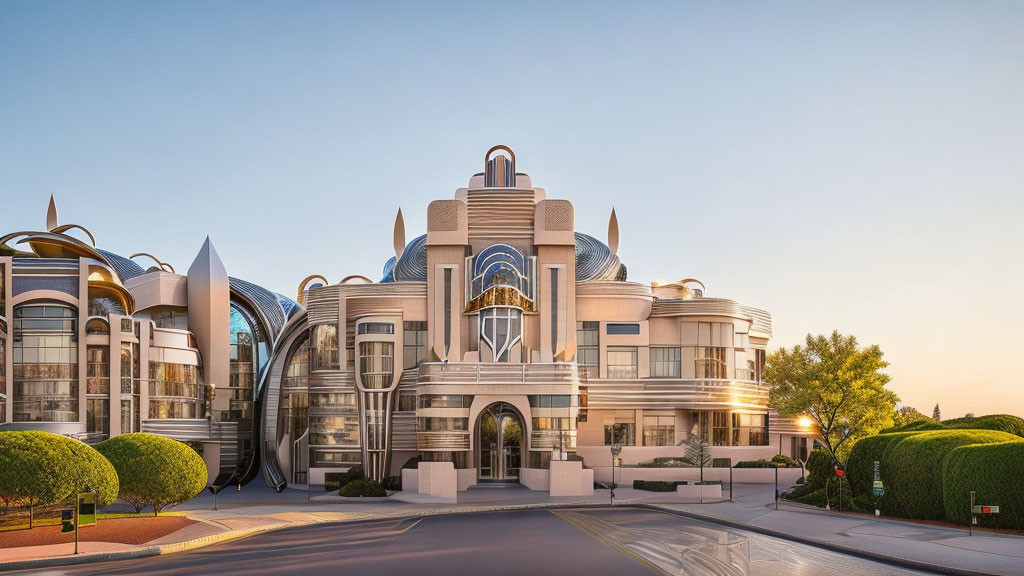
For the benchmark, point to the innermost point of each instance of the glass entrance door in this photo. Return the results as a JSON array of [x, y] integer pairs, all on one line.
[[500, 445]]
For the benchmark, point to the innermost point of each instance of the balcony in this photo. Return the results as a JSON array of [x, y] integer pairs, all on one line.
[[673, 393], [473, 373]]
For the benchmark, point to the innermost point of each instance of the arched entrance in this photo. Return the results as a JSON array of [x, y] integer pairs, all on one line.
[[499, 443]]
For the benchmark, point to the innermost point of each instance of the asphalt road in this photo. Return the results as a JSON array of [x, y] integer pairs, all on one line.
[[622, 541]]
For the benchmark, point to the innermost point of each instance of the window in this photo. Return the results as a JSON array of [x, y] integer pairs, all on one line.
[[325, 347], [376, 328], [798, 448], [665, 362], [659, 430], [710, 362], [97, 415], [175, 391], [550, 401], [414, 339], [97, 370], [622, 328], [435, 424], [587, 348], [406, 401], [501, 329], [727, 429], [45, 354], [171, 319], [759, 361], [623, 433], [444, 401], [376, 364], [622, 362]]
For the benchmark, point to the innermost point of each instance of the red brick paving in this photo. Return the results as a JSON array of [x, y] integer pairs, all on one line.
[[122, 530]]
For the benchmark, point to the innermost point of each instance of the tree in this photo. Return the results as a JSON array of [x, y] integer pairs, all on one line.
[[154, 470], [43, 469], [839, 385], [696, 452], [937, 414], [907, 415], [969, 415]]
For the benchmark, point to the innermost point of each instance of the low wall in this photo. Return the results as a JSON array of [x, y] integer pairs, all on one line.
[[626, 475], [466, 478], [535, 479], [410, 480], [568, 478], [438, 479], [699, 492]]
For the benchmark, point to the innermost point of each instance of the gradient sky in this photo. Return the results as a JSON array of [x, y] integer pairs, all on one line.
[[854, 166]]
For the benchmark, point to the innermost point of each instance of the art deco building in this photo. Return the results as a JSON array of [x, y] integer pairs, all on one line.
[[498, 341]]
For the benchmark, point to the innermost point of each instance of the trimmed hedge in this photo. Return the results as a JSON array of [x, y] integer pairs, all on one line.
[[39, 468], [992, 471], [362, 487], [783, 461], [860, 466], [154, 470], [762, 463], [912, 468], [392, 483], [654, 486], [1002, 422]]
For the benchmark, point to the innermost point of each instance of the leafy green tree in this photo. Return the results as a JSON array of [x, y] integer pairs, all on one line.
[[905, 415], [154, 470], [837, 384], [43, 469]]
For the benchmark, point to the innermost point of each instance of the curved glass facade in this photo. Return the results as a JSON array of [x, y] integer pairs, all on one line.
[[45, 363], [293, 410], [175, 391], [244, 364]]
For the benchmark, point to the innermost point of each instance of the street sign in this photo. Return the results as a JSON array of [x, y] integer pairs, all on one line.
[[86, 508], [67, 520], [878, 491], [877, 484], [985, 510]]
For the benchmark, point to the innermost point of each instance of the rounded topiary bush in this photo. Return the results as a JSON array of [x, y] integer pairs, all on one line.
[[362, 487], [916, 426], [154, 470], [783, 461], [992, 471], [860, 466], [39, 468], [913, 470]]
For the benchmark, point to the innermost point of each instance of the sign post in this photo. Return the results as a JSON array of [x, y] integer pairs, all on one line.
[[878, 489], [978, 509]]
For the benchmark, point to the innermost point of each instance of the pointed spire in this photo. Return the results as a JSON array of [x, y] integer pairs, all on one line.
[[51, 215], [613, 233], [399, 235], [208, 265]]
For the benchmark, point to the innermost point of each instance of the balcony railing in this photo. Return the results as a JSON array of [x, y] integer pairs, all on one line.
[[497, 373], [667, 393]]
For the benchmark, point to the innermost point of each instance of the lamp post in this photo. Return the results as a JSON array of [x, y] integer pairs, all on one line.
[[616, 450]]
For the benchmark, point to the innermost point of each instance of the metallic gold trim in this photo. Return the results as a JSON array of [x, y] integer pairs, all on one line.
[[493, 149], [65, 227], [500, 296], [305, 282], [163, 265]]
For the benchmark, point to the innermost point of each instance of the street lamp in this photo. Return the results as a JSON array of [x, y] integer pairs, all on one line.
[[616, 450]]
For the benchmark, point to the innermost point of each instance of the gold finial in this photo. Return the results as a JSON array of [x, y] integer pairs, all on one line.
[[613, 233], [399, 236], [51, 215]]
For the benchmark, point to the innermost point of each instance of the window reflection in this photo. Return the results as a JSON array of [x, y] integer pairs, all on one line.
[[45, 363]]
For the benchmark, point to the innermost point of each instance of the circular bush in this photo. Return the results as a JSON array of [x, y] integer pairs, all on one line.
[[912, 467], [992, 471], [362, 487], [39, 468], [783, 461], [154, 470], [860, 466]]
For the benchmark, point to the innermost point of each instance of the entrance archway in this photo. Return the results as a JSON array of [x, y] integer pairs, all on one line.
[[499, 443]]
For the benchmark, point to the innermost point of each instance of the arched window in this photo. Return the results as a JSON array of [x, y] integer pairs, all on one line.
[[45, 363]]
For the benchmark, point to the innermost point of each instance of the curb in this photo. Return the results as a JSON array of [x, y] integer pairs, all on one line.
[[826, 545]]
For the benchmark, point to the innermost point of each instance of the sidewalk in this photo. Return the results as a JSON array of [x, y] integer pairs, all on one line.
[[937, 548], [940, 549]]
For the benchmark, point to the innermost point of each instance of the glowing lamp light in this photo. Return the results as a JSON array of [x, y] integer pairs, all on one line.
[[805, 422]]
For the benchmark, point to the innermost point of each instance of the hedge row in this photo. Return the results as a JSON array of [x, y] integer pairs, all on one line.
[[992, 471], [913, 469], [1001, 422], [860, 465]]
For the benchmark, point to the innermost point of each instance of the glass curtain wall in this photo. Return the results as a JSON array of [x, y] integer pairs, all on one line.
[[45, 363], [293, 411]]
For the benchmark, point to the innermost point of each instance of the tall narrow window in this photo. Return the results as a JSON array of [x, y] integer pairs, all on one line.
[[414, 339], [587, 348], [45, 363], [376, 364], [325, 346], [711, 362], [554, 311], [447, 310]]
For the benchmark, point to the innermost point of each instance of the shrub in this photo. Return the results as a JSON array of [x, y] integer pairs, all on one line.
[[762, 463], [820, 467], [916, 426], [783, 461], [1002, 422], [992, 471], [39, 468], [154, 470], [654, 486], [362, 487], [393, 483], [412, 463], [913, 469], [860, 466]]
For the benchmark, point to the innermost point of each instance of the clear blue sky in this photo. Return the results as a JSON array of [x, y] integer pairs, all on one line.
[[854, 166]]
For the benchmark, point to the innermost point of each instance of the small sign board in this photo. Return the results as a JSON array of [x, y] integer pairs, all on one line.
[[67, 520], [877, 484], [86, 508], [984, 509], [878, 491]]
